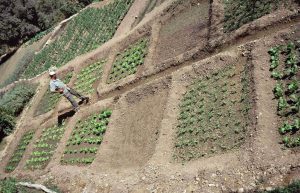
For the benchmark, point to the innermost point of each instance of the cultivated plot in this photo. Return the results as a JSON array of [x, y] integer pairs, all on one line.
[[86, 138], [214, 113], [18, 153], [45, 147]]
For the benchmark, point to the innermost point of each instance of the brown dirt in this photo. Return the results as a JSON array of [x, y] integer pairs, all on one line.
[[184, 31], [136, 155]]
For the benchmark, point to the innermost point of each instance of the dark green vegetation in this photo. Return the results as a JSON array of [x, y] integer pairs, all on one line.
[[12, 104], [89, 30], [88, 77], [9, 185], [16, 99], [284, 68], [291, 188], [128, 61], [18, 153], [45, 147], [214, 113], [240, 12], [21, 20], [7, 122], [86, 138], [50, 100]]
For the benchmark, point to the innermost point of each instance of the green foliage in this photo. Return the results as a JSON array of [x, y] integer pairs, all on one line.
[[240, 12], [128, 61], [7, 121], [286, 91], [17, 98], [88, 76], [85, 139], [18, 153], [214, 114], [39, 36], [45, 147], [50, 100], [86, 32], [8, 185]]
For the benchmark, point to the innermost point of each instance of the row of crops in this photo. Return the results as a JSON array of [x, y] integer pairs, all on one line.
[[81, 147], [89, 30], [88, 76], [214, 114], [240, 12], [284, 69], [128, 61]]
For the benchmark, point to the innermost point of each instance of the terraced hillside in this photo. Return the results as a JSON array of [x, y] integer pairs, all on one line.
[[185, 96]]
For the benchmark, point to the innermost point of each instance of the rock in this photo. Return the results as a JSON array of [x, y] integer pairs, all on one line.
[[241, 190], [269, 189]]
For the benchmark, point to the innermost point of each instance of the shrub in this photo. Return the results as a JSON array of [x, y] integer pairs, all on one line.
[[8, 185], [7, 121], [16, 99]]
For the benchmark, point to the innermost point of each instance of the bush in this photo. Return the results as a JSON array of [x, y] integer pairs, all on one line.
[[8, 185], [7, 121], [16, 99]]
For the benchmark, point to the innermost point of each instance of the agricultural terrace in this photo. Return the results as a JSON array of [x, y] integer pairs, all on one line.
[[214, 114], [88, 76], [240, 12], [18, 153], [86, 32], [85, 139], [45, 147], [128, 61], [50, 100], [284, 67]]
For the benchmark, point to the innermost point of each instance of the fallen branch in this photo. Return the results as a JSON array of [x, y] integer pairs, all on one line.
[[36, 186]]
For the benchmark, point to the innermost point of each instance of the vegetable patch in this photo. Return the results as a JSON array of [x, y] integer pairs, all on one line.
[[85, 139], [214, 114], [18, 153], [128, 61], [284, 68], [45, 147]]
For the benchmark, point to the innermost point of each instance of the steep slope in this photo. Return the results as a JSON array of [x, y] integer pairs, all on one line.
[[179, 102]]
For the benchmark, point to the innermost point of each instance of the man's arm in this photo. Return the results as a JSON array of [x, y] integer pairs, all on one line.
[[54, 89]]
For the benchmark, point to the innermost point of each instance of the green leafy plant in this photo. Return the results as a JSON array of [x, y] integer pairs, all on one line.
[[128, 61], [88, 76], [278, 90], [86, 138], [18, 153], [45, 147]]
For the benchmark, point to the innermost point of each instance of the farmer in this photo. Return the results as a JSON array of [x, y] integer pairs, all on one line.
[[58, 86]]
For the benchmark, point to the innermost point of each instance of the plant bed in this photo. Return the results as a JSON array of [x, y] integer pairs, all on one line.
[[214, 114], [128, 61], [284, 68], [240, 12], [90, 29], [18, 153], [85, 139], [88, 76], [50, 100], [45, 147]]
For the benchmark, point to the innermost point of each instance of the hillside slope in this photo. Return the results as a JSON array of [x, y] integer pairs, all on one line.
[[186, 96]]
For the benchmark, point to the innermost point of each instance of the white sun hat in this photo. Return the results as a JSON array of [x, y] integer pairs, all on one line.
[[52, 70]]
